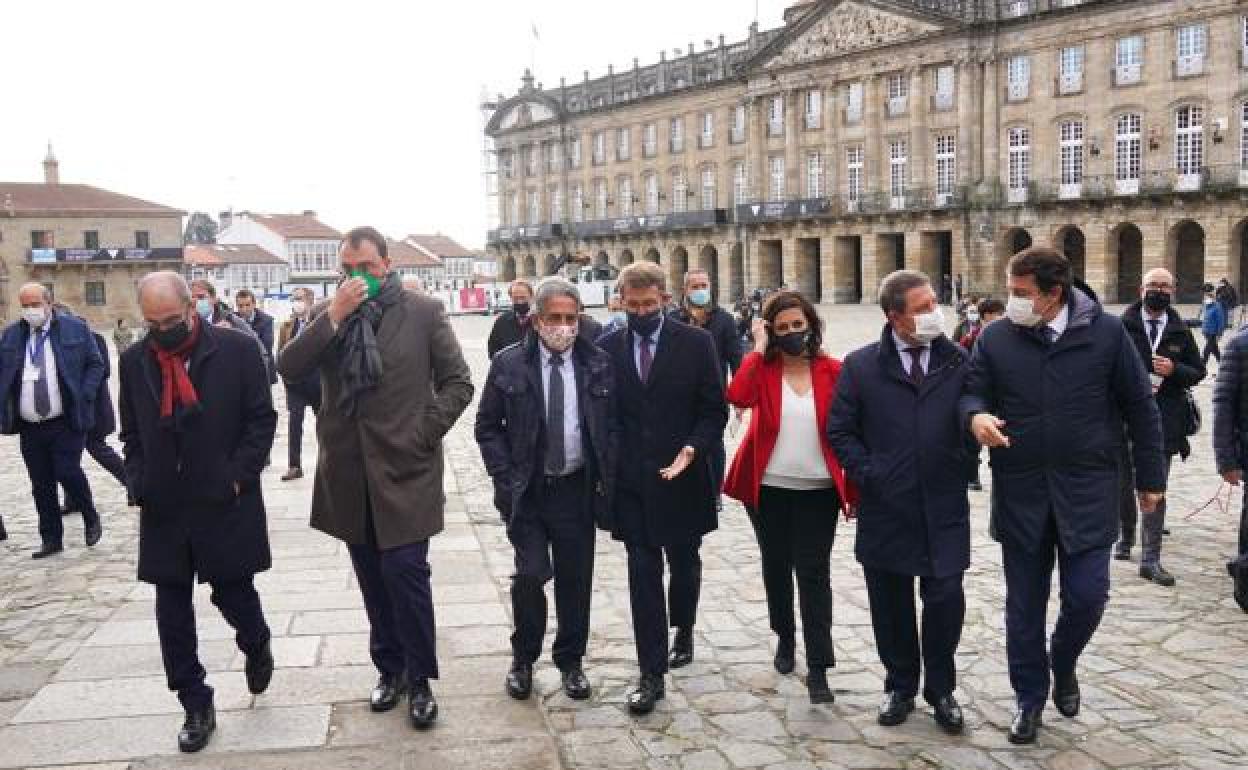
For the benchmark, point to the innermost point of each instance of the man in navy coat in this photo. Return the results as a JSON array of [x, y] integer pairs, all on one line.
[[1049, 392], [672, 412], [894, 426]]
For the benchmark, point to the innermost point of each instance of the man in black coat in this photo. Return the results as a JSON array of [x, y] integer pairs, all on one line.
[[197, 422], [895, 429], [672, 412], [512, 325], [545, 428], [1170, 355], [261, 323], [1230, 427], [1048, 392]]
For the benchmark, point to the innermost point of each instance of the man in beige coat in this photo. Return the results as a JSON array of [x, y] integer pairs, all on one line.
[[395, 382]]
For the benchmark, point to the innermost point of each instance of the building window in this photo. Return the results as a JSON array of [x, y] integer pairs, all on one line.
[[1127, 149], [1070, 139], [775, 191], [680, 192], [740, 184], [814, 175], [600, 198], [142, 240], [1019, 167], [512, 218], [853, 103], [91, 239], [1017, 78], [578, 203], [707, 138], [738, 124], [775, 116], [708, 188], [530, 161], [1243, 141], [556, 203], [551, 151], [650, 183], [507, 163], [942, 99], [853, 176], [1128, 60], [93, 292], [1070, 70], [676, 134], [1189, 146], [897, 162], [624, 200], [574, 152], [812, 115], [1192, 46], [946, 167], [535, 207], [42, 239], [650, 140], [898, 91], [600, 148], [623, 144]]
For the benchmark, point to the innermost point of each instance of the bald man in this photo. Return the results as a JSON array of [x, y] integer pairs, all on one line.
[[50, 373], [197, 422], [1169, 352]]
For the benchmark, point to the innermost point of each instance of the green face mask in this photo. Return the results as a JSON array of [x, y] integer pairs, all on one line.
[[374, 283]]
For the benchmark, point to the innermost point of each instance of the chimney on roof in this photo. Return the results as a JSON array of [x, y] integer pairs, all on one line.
[[309, 213], [51, 169], [227, 218]]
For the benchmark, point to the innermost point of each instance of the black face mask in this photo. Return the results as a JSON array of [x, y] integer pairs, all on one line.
[[521, 308], [171, 338], [644, 324], [793, 343], [1156, 300]]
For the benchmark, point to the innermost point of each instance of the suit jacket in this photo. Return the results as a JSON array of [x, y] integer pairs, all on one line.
[[198, 482], [309, 387], [681, 404], [1177, 344], [389, 455], [105, 417], [262, 324], [79, 371]]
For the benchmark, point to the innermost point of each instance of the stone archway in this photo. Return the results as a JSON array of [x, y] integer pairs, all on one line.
[[1070, 241], [677, 266], [736, 272], [652, 255], [507, 268], [1126, 249], [1185, 256], [530, 266], [708, 260], [626, 257]]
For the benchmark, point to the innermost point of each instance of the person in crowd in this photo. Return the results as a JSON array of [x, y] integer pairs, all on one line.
[[985, 312], [546, 430], [894, 426], [1213, 315], [788, 478], [301, 395], [1228, 298], [219, 314], [1230, 427], [197, 424], [50, 376], [616, 318], [1049, 393], [394, 382], [968, 316], [260, 322], [512, 325], [1169, 353], [670, 400], [122, 338]]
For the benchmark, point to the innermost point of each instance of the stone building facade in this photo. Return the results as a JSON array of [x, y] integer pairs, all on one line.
[[866, 135]]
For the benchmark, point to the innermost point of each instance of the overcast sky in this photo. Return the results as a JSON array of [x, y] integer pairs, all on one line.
[[365, 111]]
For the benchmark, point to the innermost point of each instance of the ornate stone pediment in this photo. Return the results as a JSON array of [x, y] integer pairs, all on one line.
[[845, 27]]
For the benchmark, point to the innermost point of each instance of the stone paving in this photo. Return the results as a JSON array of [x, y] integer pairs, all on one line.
[[1165, 680]]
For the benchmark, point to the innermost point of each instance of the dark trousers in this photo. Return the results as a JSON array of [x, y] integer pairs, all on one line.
[[1211, 349], [898, 639], [553, 538], [179, 644], [1128, 513], [719, 460], [650, 606], [53, 455], [296, 403], [795, 529], [1084, 580], [398, 598], [107, 458], [1152, 524]]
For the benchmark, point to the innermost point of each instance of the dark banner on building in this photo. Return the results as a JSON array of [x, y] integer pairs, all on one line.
[[69, 256], [771, 212]]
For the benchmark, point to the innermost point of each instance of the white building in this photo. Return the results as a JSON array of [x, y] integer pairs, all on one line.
[[231, 267], [457, 262], [307, 245]]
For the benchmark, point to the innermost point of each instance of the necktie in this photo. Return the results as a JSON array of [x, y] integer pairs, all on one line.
[[1153, 329], [554, 418], [1050, 334], [647, 358], [43, 402], [916, 365]]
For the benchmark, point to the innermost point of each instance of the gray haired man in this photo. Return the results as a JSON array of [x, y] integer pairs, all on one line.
[[544, 427]]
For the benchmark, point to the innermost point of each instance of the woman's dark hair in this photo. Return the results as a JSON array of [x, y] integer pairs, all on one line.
[[987, 306], [781, 301], [370, 234]]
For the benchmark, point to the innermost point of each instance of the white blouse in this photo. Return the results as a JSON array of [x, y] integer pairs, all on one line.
[[797, 461]]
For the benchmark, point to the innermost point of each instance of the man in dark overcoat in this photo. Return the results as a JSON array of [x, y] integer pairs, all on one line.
[[894, 427], [197, 424]]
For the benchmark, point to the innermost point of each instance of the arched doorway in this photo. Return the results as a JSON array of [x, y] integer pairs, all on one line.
[[1012, 241], [626, 257], [1185, 252], [1126, 245], [736, 272], [507, 268], [1239, 257], [1070, 241], [548, 265], [708, 260], [530, 266], [676, 270], [651, 255]]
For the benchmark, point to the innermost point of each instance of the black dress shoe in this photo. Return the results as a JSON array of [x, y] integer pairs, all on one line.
[[817, 686], [682, 649], [93, 532], [386, 694], [259, 669], [1025, 726], [649, 692], [520, 680], [948, 714], [1157, 574], [895, 709], [785, 655], [4, 533], [46, 550], [423, 707], [1066, 694], [197, 729], [1122, 552], [576, 684]]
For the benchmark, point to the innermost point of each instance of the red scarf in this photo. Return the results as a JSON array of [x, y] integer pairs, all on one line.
[[176, 386]]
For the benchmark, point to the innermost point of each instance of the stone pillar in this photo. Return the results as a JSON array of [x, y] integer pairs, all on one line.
[[792, 146], [913, 244], [1155, 252], [1217, 249], [919, 151], [876, 177], [1098, 272], [970, 155], [839, 264], [990, 149], [872, 246], [757, 142]]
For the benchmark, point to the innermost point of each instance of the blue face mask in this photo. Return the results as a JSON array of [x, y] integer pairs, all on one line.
[[700, 297], [620, 317], [204, 307]]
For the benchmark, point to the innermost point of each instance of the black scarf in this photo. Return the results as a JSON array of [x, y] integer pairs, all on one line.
[[360, 366]]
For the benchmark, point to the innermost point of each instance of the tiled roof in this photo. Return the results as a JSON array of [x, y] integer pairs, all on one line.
[[23, 198], [438, 245], [199, 254], [295, 225], [406, 255]]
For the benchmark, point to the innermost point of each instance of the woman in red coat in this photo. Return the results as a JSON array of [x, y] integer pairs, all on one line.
[[787, 477]]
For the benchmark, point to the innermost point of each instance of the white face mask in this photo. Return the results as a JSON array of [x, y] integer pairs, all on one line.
[[35, 316], [972, 315], [929, 326], [1022, 311]]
